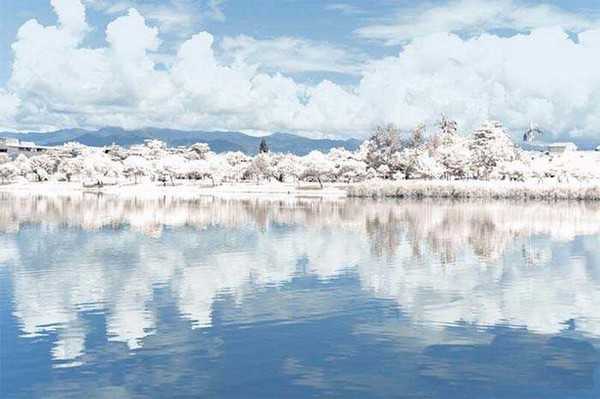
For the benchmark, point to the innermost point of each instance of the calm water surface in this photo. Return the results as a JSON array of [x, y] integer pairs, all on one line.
[[298, 298]]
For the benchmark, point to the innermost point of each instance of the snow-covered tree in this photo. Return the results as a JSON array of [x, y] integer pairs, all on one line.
[[405, 161], [23, 165], [427, 167], [70, 167], [286, 167], [219, 169], [261, 166], [317, 167], [197, 151], [380, 148], [169, 168], [8, 170], [42, 166], [198, 169], [99, 168], [136, 166], [239, 163], [491, 146]]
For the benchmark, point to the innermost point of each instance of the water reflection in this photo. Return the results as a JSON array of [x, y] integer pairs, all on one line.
[[455, 289]]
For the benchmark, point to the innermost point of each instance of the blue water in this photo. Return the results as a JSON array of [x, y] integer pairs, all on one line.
[[109, 298]]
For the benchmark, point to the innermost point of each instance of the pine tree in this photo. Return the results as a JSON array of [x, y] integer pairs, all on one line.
[[263, 148]]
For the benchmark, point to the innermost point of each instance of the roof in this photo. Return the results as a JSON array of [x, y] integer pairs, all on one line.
[[560, 145]]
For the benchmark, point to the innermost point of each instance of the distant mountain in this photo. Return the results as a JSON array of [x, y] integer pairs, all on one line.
[[218, 141]]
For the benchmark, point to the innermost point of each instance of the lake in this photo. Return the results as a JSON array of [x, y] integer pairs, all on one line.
[[103, 297]]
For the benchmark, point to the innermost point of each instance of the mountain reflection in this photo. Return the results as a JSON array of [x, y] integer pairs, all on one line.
[[532, 265]]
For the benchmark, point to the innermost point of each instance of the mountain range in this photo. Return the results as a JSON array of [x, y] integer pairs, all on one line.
[[218, 141]]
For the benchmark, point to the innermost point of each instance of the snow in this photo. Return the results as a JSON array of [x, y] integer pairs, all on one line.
[[443, 163], [180, 190]]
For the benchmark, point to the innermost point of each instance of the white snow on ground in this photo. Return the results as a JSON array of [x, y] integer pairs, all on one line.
[[182, 190]]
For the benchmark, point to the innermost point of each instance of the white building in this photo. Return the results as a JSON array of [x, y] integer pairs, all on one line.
[[559, 148], [14, 147]]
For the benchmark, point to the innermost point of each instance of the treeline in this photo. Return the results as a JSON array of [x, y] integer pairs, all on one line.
[[487, 153]]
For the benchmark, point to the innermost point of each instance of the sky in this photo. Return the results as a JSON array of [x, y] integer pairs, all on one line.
[[316, 68]]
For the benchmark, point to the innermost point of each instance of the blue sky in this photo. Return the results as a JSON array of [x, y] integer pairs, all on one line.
[[319, 68]]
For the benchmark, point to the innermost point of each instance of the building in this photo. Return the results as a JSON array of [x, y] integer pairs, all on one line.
[[559, 148], [13, 147]]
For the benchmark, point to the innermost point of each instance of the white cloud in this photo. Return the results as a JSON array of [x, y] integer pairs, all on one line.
[[292, 55], [472, 17], [543, 76], [9, 105], [345, 8], [176, 17]]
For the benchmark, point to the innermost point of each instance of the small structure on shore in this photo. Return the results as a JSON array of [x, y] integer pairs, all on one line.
[[14, 147], [559, 148]]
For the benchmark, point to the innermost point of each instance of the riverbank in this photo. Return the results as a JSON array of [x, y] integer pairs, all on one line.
[[181, 190], [412, 189], [464, 189]]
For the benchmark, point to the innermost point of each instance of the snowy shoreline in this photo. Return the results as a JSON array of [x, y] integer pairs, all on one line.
[[478, 189], [375, 189], [179, 190]]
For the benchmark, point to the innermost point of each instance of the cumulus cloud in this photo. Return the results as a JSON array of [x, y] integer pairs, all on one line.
[[471, 17], [543, 76], [292, 55], [547, 76], [9, 104]]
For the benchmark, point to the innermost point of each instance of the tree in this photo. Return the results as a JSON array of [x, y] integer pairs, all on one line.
[[97, 166], [406, 160], [23, 165], [317, 166], [135, 166], [417, 137], [198, 169], [491, 145], [454, 154], [532, 133], [346, 165], [287, 165], [263, 148], [239, 163], [197, 151], [380, 148], [169, 168], [261, 166], [70, 167], [43, 166], [7, 172]]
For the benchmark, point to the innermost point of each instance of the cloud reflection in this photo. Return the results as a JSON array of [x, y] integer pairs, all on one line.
[[486, 263]]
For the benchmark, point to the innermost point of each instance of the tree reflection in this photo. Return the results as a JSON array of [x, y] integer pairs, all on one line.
[[484, 263]]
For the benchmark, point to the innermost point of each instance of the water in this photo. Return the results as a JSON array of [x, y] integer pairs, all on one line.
[[298, 298]]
